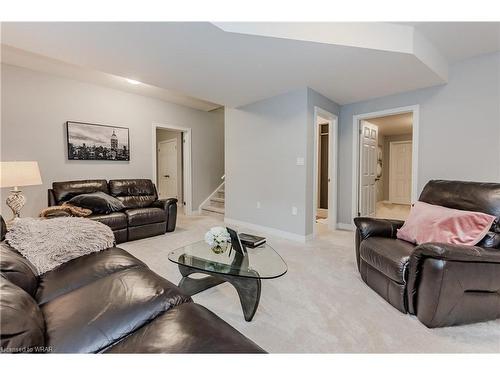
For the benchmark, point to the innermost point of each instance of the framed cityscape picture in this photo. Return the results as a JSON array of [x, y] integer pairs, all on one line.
[[97, 142]]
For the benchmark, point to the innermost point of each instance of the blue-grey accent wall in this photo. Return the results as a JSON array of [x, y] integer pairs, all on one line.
[[459, 135]]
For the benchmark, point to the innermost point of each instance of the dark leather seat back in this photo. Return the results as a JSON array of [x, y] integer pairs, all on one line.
[[65, 190], [23, 325], [17, 269], [134, 193], [461, 195]]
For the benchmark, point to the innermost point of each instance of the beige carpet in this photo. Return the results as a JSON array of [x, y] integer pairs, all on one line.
[[320, 305]]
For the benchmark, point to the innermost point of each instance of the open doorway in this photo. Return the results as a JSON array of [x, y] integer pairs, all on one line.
[[323, 175], [172, 164], [169, 174], [386, 163], [325, 170]]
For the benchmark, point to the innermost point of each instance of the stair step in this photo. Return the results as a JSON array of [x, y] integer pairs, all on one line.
[[220, 200], [218, 210]]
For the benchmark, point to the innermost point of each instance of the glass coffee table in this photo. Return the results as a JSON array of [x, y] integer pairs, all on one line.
[[243, 272]]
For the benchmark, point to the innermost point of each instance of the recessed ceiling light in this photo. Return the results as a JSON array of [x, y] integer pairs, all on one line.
[[132, 81]]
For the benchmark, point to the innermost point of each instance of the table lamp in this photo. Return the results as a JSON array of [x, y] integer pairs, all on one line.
[[14, 174]]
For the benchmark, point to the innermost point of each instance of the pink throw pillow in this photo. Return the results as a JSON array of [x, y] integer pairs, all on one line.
[[430, 223]]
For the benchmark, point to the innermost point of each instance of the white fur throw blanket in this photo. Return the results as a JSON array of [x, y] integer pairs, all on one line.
[[48, 243]]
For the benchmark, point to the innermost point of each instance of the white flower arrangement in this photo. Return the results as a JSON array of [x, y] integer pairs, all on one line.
[[217, 236]]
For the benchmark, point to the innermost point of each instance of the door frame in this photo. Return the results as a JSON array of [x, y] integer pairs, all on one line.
[[390, 165], [173, 140], [356, 123], [187, 171], [332, 166]]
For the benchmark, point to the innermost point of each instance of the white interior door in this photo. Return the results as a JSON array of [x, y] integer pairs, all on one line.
[[368, 169], [167, 169], [400, 172]]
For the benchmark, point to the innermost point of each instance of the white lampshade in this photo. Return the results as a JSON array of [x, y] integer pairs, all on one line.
[[19, 173]]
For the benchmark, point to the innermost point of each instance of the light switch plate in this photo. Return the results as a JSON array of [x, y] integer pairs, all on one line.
[[258, 204], [294, 211]]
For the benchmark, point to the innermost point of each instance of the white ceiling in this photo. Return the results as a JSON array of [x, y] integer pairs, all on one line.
[[17, 57], [394, 124], [200, 60], [461, 40]]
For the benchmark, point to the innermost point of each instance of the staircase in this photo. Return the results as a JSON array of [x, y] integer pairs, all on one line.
[[214, 205]]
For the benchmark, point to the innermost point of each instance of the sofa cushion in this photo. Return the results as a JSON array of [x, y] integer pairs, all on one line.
[[188, 328], [388, 256], [82, 271], [430, 223], [143, 216], [17, 269], [22, 326], [98, 202], [463, 195], [91, 318], [134, 193], [114, 220], [65, 190]]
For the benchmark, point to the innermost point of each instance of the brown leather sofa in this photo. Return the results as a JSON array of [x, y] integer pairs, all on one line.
[[144, 216], [442, 284], [105, 302]]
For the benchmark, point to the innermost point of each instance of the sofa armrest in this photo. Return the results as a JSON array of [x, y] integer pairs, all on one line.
[[51, 198], [460, 253], [3, 228], [371, 227], [169, 205], [445, 275]]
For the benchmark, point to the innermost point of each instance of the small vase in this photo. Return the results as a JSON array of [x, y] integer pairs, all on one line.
[[219, 249]]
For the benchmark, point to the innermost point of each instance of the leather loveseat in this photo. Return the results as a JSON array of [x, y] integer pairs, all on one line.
[[442, 284], [144, 215], [105, 302]]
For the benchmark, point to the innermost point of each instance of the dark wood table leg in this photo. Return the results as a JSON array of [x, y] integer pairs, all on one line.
[[192, 286], [249, 292], [248, 288]]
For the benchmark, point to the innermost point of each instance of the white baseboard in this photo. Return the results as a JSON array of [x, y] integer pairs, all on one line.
[[269, 230], [345, 226]]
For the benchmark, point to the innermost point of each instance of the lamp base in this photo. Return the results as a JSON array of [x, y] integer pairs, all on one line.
[[15, 201]]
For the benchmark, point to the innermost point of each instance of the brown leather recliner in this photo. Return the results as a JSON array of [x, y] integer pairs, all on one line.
[[104, 302], [144, 216], [442, 284]]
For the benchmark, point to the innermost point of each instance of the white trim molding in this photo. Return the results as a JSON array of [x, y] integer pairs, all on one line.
[[187, 194], [356, 120], [268, 230]]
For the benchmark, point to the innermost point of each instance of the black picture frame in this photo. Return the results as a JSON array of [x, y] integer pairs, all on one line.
[[94, 147], [236, 242]]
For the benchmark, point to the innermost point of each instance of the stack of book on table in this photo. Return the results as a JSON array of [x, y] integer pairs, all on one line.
[[251, 240]]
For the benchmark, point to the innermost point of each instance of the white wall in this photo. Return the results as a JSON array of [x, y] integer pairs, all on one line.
[[35, 107], [459, 128], [262, 142]]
